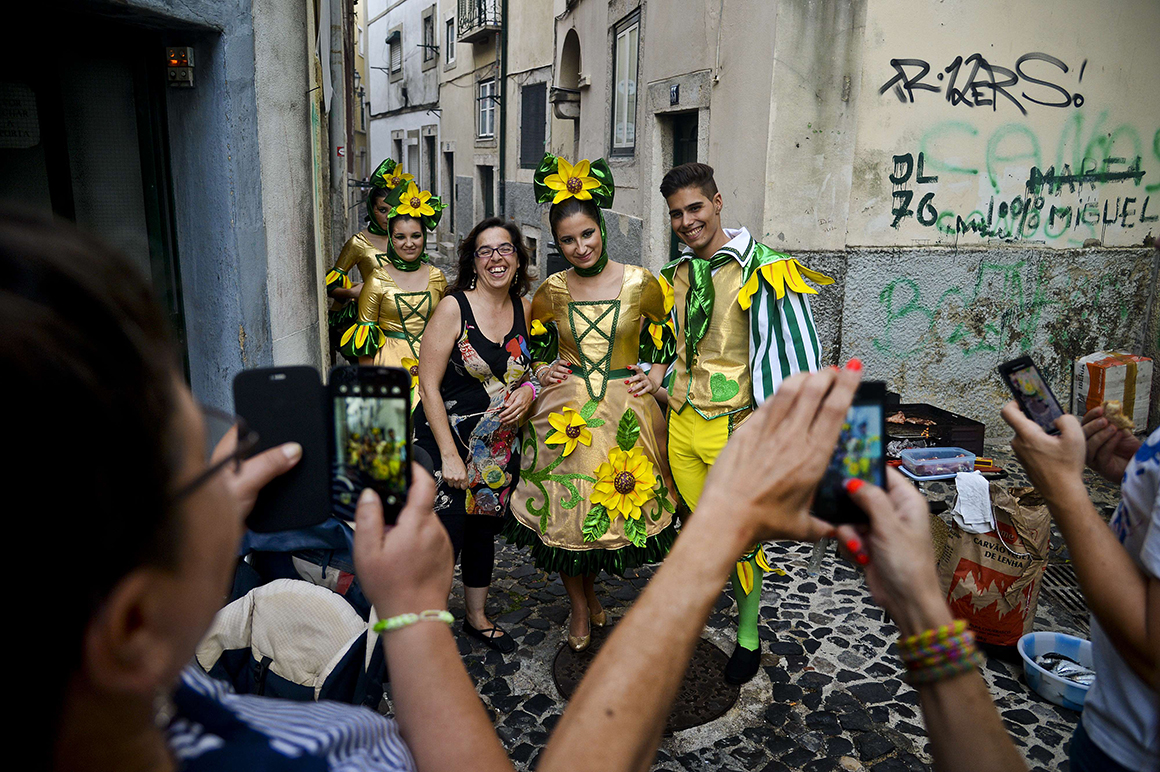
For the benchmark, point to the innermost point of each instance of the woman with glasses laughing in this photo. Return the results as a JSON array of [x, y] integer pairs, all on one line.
[[476, 385]]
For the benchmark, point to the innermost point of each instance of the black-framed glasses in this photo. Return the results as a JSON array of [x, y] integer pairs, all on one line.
[[506, 250], [228, 441]]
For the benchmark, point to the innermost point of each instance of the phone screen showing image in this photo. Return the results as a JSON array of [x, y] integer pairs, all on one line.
[[371, 447], [858, 454], [1034, 396]]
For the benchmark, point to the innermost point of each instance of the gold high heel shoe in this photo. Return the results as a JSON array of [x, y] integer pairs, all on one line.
[[598, 620], [580, 642]]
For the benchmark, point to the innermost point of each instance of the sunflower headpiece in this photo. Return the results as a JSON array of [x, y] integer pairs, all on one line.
[[420, 204], [388, 177], [556, 180]]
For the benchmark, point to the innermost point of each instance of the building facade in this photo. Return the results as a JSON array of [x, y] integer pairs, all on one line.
[[201, 139], [404, 41]]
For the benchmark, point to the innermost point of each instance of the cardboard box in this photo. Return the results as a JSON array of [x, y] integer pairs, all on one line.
[[1107, 375]]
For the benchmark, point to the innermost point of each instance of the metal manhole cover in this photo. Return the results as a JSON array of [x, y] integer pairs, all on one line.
[[701, 697]]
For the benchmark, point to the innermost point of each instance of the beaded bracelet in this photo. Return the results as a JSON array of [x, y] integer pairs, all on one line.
[[532, 385], [403, 620], [940, 653]]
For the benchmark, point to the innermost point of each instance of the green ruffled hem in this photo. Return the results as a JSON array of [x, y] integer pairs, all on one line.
[[577, 563], [344, 316]]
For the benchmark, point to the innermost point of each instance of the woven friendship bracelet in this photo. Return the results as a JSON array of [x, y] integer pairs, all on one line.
[[940, 649], [952, 668], [927, 637], [403, 620]]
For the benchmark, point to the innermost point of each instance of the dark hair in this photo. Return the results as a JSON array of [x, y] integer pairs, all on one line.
[[377, 194], [523, 279], [690, 175], [88, 366], [569, 207]]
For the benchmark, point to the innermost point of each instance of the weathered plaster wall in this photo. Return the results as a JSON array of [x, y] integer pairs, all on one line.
[[1001, 120], [935, 324], [221, 235], [294, 293]]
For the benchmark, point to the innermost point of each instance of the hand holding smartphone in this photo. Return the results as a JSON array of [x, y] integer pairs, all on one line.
[[355, 434], [1032, 393], [859, 454], [371, 435]]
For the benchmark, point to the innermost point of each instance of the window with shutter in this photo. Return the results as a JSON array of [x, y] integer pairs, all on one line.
[[533, 124], [397, 56]]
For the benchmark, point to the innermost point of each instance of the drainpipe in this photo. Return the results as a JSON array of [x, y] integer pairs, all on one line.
[[503, 101]]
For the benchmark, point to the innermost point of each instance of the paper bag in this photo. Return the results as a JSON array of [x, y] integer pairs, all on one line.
[[992, 579]]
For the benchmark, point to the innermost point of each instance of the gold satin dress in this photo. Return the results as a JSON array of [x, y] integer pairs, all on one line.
[[399, 315], [589, 445], [357, 252]]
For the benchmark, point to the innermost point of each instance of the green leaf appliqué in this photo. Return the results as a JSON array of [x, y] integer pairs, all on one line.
[[628, 431], [596, 523]]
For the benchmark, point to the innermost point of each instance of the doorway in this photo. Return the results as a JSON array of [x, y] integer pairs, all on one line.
[[684, 151], [487, 190]]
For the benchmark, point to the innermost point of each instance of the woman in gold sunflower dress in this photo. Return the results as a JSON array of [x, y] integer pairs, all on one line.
[[401, 290], [594, 490], [387, 184]]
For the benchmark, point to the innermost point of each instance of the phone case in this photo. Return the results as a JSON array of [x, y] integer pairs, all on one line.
[[832, 503], [287, 404], [1021, 363]]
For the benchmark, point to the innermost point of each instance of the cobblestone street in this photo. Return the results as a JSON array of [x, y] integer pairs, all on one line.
[[829, 695]]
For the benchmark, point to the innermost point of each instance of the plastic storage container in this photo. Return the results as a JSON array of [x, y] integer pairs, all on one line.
[[929, 462], [1062, 692]]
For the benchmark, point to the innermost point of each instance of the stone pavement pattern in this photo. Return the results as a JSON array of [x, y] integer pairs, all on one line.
[[829, 695]]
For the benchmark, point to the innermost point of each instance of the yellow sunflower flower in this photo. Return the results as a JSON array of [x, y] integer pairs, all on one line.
[[411, 366], [624, 483], [571, 180], [414, 202], [397, 178], [538, 328], [570, 428]]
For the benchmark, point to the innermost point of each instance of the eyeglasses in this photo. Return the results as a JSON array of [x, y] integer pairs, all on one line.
[[228, 441], [505, 249]]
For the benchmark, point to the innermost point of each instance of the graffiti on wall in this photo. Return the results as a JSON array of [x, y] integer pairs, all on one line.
[[998, 313], [975, 82], [1074, 185]]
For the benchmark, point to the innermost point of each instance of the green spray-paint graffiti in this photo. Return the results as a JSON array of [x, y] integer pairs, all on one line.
[[1075, 204], [1001, 312]]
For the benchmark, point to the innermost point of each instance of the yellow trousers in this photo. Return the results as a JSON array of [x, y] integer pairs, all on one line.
[[694, 444]]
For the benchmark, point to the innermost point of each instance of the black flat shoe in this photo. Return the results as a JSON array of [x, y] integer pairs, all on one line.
[[743, 665], [494, 637]]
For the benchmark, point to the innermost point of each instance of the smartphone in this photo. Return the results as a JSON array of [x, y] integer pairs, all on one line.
[[370, 409], [859, 453], [286, 404], [1031, 392]]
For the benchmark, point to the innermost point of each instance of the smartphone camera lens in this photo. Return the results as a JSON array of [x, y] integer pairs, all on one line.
[[394, 390], [392, 500], [342, 389], [383, 389], [355, 389]]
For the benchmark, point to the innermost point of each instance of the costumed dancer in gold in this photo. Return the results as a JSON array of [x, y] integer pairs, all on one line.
[[743, 324], [402, 290], [594, 489], [387, 184]]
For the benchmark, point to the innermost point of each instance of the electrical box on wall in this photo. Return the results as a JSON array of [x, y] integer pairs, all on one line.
[[179, 66]]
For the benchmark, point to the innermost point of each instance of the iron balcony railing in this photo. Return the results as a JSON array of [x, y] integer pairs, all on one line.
[[477, 19]]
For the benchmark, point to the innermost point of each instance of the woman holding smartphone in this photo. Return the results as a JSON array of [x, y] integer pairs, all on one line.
[[594, 490], [474, 379], [400, 288]]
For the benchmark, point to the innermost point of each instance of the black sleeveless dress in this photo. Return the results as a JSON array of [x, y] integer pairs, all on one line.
[[480, 374]]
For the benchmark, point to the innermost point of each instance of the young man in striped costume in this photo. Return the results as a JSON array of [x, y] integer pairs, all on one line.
[[743, 324]]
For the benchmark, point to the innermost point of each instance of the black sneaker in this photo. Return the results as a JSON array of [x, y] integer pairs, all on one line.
[[743, 665]]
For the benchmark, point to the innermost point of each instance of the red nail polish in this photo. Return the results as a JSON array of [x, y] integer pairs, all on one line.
[[854, 364], [862, 558], [853, 545], [853, 485]]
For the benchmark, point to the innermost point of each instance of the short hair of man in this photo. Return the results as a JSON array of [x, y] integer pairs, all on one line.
[[690, 175]]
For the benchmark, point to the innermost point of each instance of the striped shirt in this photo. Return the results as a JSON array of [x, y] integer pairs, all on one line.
[[216, 729]]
